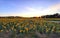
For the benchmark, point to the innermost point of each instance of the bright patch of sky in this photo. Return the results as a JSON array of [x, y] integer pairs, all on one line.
[[29, 8]]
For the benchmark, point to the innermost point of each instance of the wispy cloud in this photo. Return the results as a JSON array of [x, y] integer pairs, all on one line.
[[30, 12]]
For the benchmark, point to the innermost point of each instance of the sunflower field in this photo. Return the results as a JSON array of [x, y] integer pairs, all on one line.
[[27, 28]]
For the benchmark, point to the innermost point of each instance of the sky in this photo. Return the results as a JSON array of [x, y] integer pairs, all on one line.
[[29, 8]]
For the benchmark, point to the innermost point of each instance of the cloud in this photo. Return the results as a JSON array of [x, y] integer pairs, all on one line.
[[30, 12], [54, 8], [30, 9]]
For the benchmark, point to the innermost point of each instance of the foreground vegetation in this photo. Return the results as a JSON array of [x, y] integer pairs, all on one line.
[[29, 28]]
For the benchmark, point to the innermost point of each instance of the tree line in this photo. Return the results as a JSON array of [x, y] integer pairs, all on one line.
[[57, 15]]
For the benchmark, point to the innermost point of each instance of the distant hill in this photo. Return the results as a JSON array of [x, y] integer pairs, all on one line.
[[11, 17]]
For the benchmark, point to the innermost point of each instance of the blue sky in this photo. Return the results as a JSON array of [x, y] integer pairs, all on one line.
[[28, 8]]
